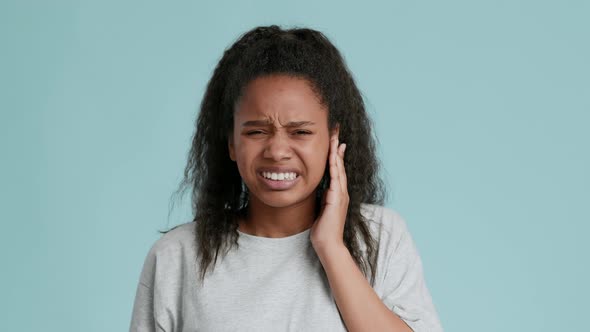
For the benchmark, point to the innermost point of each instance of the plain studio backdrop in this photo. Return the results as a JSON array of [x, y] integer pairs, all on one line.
[[481, 110]]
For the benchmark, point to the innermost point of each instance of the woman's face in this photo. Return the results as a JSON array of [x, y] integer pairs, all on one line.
[[280, 140]]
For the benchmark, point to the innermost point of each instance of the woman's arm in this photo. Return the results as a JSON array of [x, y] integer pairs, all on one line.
[[360, 307]]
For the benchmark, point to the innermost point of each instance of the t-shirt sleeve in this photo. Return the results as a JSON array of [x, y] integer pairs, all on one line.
[[143, 318], [404, 287]]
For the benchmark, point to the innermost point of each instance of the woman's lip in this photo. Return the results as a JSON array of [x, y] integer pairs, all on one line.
[[278, 170], [279, 184]]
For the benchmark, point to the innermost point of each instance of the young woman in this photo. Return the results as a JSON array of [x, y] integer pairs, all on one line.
[[290, 232]]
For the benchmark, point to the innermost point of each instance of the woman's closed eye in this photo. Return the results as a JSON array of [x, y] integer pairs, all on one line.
[[298, 132], [254, 132]]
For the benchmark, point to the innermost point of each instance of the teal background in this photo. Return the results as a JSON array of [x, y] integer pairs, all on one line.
[[481, 108]]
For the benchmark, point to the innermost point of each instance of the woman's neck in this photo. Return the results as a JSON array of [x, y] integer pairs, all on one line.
[[267, 221]]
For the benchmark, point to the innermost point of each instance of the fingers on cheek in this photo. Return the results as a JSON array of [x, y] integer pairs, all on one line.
[[335, 150]]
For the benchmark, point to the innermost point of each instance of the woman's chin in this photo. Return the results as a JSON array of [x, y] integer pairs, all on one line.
[[283, 199]]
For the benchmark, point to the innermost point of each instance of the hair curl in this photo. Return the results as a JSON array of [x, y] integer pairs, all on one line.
[[219, 195]]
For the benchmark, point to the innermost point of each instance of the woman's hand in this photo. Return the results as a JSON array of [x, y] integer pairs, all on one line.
[[328, 229]]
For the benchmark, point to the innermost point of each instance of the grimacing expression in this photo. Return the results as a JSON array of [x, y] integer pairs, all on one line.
[[279, 122]]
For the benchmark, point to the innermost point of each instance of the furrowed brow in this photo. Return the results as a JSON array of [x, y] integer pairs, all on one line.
[[292, 124], [296, 124], [256, 123]]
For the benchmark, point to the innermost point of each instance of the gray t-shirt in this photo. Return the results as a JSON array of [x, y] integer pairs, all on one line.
[[273, 284]]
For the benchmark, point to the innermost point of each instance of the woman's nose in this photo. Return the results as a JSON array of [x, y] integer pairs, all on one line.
[[278, 147]]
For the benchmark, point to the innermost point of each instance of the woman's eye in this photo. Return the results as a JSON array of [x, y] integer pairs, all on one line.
[[298, 132]]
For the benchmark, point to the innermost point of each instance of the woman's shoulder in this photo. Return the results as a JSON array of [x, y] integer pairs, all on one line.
[[382, 216], [172, 249], [386, 223], [177, 238]]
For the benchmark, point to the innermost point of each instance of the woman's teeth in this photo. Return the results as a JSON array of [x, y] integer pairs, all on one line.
[[280, 176]]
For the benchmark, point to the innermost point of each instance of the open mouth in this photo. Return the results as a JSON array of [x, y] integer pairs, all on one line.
[[288, 176], [279, 181]]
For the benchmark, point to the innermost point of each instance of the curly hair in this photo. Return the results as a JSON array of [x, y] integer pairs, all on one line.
[[219, 195]]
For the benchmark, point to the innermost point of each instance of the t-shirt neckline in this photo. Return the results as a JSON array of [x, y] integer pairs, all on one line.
[[287, 242]]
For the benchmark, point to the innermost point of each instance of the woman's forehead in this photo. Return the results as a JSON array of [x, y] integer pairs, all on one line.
[[280, 115], [279, 101], [282, 92]]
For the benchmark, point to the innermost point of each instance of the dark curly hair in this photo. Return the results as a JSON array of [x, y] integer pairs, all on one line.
[[219, 195]]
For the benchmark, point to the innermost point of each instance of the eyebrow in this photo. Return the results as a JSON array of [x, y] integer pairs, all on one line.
[[292, 124]]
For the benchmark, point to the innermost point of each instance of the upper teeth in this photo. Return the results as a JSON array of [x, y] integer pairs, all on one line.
[[279, 176]]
